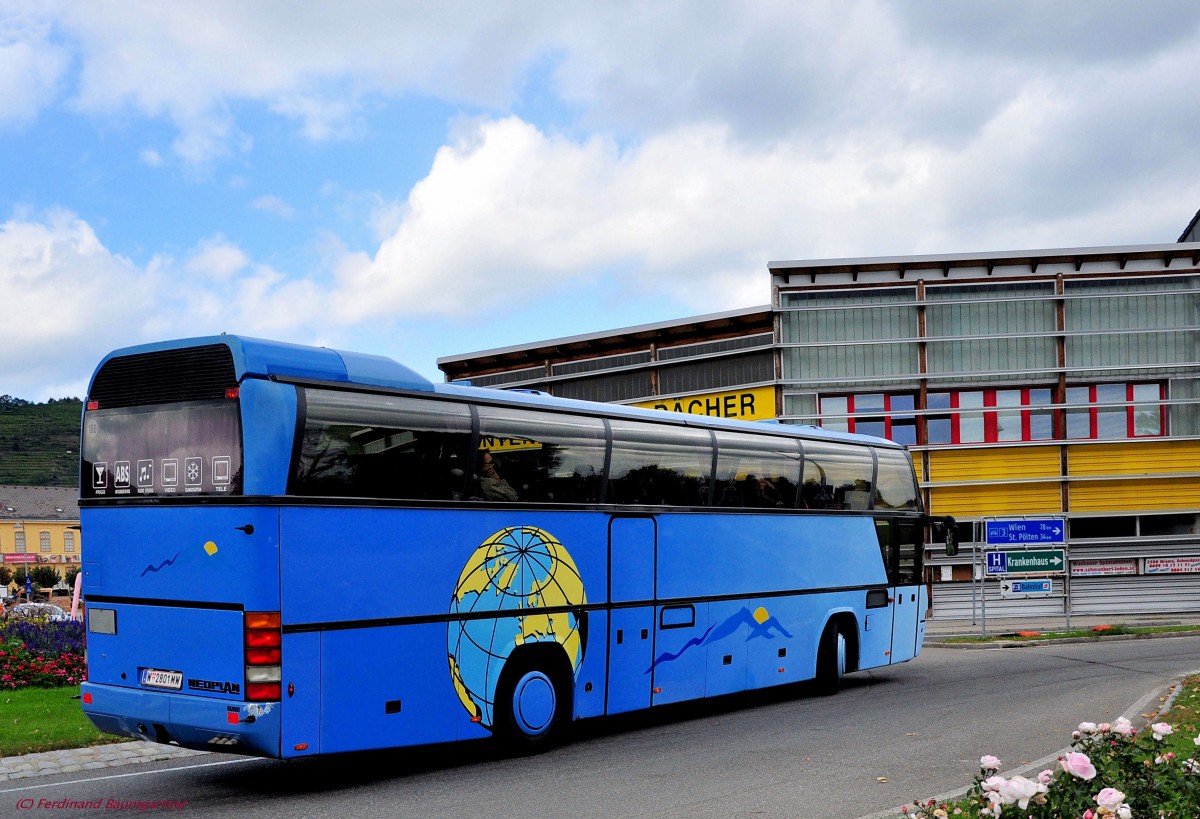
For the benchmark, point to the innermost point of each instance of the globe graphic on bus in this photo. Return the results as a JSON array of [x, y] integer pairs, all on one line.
[[528, 590]]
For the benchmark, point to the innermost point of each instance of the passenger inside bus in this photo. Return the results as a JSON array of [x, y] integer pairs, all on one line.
[[491, 484]]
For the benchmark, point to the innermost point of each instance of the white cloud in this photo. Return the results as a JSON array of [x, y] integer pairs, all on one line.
[[151, 158], [217, 258], [67, 301], [269, 203], [31, 66], [509, 212]]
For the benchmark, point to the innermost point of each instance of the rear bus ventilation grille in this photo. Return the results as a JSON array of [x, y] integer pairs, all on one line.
[[191, 374]]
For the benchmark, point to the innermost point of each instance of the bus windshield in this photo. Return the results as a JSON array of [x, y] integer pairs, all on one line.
[[191, 448]]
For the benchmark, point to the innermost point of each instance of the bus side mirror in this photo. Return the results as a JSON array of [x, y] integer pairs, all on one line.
[[950, 535], [945, 530]]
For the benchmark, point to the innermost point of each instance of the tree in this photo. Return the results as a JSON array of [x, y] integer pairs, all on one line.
[[44, 576], [6, 575], [71, 573]]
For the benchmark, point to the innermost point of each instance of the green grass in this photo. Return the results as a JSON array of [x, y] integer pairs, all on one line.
[[1059, 635], [1184, 717], [45, 719]]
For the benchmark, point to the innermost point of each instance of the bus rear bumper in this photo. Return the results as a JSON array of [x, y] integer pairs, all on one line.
[[184, 720]]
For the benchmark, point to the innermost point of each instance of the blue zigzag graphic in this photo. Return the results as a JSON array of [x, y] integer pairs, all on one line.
[[667, 656], [168, 562], [716, 632]]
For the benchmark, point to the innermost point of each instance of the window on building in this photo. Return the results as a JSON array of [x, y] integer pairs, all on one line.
[[880, 414], [69, 542], [939, 426], [44, 542], [1115, 411], [1009, 426], [970, 417], [20, 540], [1041, 421], [1092, 412], [1119, 526], [1147, 417]]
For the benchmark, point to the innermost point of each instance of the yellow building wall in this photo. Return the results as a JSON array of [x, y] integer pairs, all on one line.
[[993, 463], [996, 499], [1142, 461], [1134, 495], [1000, 465], [58, 557], [1134, 458], [1122, 476]]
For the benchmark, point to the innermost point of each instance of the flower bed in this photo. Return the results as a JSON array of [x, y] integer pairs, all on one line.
[[41, 654], [1112, 770]]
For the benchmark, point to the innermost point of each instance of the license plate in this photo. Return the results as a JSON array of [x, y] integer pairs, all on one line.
[[157, 678]]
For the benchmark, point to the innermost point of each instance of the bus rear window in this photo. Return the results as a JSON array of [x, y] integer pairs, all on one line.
[[192, 448]]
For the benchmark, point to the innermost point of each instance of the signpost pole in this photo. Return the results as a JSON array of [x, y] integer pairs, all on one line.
[[974, 572], [1067, 574], [983, 593]]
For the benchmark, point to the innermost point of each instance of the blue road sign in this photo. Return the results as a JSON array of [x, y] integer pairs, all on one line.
[[1026, 531], [1026, 561], [1030, 586]]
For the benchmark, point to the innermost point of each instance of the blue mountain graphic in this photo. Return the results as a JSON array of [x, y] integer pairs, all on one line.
[[168, 562], [716, 633]]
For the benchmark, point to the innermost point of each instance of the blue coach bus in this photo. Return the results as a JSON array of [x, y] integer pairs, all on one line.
[[295, 551]]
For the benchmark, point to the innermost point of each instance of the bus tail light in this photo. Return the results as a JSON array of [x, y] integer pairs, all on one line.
[[264, 655]]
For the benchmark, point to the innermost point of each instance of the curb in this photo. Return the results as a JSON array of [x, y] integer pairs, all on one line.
[[1099, 638]]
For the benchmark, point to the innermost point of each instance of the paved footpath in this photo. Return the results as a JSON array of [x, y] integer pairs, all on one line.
[[83, 759]]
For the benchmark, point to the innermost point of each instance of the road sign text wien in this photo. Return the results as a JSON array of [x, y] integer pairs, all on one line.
[[1031, 561], [1025, 531]]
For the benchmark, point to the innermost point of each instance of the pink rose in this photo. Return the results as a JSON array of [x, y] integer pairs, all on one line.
[[1110, 799], [1021, 790], [1161, 729], [1078, 765], [1045, 776], [989, 762]]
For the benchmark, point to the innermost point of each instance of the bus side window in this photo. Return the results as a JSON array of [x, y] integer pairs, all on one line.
[[895, 487], [756, 471], [837, 476], [381, 446], [659, 465], [544, 457]]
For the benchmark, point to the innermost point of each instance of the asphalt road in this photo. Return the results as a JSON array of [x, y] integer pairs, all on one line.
[[916, 730]]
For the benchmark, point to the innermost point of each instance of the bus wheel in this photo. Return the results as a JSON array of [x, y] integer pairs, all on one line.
[[533, 705], [831, 660]]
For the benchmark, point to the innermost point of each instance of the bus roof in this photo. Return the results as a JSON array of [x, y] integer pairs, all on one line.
[[261, 358], [276, 359]]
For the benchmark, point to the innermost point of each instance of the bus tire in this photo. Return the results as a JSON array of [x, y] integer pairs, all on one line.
[[534, 700], [832, 658]]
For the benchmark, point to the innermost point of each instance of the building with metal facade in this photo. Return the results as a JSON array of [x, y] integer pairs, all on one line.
[[1059, 382], [1055, 382], [721, 364]]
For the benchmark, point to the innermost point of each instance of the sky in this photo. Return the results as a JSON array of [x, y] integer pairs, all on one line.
[[427, 179]]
